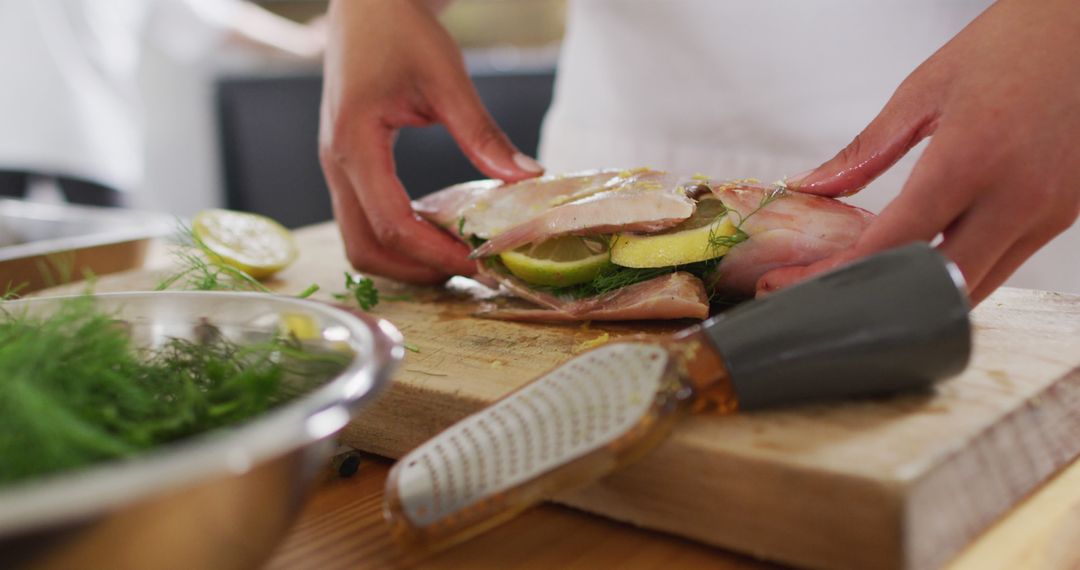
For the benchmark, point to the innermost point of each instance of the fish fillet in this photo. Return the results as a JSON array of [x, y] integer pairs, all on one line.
[[676, 295], [784, 228], [542, 208]]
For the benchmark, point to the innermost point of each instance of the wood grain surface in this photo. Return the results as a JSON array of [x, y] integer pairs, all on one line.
[[894, 483], [341, 528]]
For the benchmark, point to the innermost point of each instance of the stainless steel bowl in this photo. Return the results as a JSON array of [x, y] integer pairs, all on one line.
[[221, 500]]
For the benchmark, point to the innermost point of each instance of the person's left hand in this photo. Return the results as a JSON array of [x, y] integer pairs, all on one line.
[[1001, 176]]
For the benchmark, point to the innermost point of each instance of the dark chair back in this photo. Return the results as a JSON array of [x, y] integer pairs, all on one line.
[[269, 127]]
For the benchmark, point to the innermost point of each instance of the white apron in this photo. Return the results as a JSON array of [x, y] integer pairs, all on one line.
[[739, 88]]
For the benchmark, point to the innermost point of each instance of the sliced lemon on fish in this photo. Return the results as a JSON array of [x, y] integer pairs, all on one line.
[[705, 235], [254, 244], [558, 262]]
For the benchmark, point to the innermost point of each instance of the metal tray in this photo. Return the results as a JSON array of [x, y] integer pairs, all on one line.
[[47, 244]]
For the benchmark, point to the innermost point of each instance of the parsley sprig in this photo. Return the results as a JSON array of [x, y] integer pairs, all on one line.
[[361, 290]]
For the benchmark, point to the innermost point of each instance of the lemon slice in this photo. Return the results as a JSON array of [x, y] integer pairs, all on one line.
[[251, 243], [689, 242], [558, 262]]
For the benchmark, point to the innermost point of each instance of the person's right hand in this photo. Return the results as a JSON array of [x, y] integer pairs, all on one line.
[[390, 64]]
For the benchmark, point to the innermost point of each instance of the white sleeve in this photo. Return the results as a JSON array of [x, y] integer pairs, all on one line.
[[189, 29]]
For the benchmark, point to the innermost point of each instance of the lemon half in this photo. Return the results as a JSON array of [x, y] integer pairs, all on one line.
[[693, 240], [249, 242], [558, 262]]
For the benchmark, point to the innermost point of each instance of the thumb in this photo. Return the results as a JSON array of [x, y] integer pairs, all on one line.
[[907, 118], [481, 139]]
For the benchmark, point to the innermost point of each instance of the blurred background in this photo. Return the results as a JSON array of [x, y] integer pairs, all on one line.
[[238, 128], [192, 104]]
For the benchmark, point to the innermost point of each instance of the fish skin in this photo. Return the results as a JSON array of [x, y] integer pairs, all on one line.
[[793, 230], [677, 295], [445, 207], [539, 209]]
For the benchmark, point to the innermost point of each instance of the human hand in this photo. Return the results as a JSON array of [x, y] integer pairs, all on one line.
[[1001, 176], [389, 64]]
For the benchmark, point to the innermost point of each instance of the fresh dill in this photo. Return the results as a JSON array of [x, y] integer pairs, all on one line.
[[361, 290], [12, 291], [615, 277], [717, 241], [202, 270], [76, 390]]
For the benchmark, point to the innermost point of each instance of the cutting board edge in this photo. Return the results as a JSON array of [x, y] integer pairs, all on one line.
[[734, 517], [376, 430], [1042, 430]]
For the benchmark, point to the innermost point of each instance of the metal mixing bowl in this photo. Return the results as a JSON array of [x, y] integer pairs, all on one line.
[[220, 500]]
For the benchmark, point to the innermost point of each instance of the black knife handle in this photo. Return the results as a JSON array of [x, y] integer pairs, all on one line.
[[894, 321]]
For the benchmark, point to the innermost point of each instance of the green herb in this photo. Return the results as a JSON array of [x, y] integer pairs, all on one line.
[[75, 390], [12, 291], [615, 277], [201, 270], [311, 290], [411, 347], [717, 241], [473, 241], [361, 290]]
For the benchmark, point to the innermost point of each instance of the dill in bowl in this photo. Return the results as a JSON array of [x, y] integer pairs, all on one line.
[[76, 389]]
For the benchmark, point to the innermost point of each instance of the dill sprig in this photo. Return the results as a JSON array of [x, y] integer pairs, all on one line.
[[202, 270], [75, 390], [717, 241], [13, 291], [615, 277]]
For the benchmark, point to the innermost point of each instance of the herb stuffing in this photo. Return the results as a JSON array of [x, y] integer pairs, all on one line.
[[615, 277], [75, 389]]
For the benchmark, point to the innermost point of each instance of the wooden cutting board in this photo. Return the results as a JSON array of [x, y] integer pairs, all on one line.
[[898, 483]]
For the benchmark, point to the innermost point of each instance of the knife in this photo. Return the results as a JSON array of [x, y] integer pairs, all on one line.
[[892, 322]]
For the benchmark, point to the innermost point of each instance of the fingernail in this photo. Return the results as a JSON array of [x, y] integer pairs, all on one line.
[[796, 180], [527, 163]]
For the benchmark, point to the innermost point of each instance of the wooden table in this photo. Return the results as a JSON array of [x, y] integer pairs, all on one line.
[[342, 528]]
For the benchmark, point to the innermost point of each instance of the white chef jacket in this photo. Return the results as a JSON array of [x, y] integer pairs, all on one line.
[[740, 88], [69, 100]]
